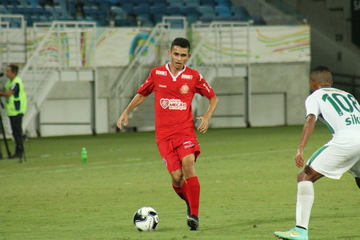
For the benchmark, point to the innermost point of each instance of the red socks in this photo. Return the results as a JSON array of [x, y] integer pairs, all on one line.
[[181, 191], [190, 193]]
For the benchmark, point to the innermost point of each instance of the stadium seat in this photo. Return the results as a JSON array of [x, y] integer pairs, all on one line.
[[118, 11], [111, 2], [175, 4], [207, 3], [206, 10], [190, 20], [158, 8], [11, 9], [141, 2], [24, 3], [223, 11], [223, 3], [128, 7], [2, 9], [192, 4], [191, 12], [32, 3], [142, 9], [174, 11], [175, 23], [144, 20]]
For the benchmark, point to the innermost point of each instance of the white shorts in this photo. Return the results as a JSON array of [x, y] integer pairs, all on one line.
[[335, 158]]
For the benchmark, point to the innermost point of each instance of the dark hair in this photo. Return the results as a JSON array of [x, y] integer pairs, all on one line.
[[322, 75], [181, 42], [14, 68], [321, 68]]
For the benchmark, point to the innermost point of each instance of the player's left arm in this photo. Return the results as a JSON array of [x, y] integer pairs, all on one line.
[[204, 124], [305, 136]]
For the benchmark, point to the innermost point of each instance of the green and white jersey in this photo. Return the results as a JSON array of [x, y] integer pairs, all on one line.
[[339, 109]]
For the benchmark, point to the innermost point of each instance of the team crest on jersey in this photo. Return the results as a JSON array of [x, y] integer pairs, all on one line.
[[172, 104], [184, 76], [184, 89], [162, 73]]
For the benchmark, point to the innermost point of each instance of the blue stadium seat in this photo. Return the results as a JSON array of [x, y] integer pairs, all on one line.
[[111, 2], [175, 4], [144, 20], [192, 4], [191, 12], [207, 3], [175, 23], [156, 2], [142, 9], [174, 11], [158, 8], [141, 2], [118, 10], [190, 20], [2, 9], [23, 3], [223, 11], [223, 2], [206, 10], [128, 7], [157, 12], [11, 9], [157, 18], [33, 3]]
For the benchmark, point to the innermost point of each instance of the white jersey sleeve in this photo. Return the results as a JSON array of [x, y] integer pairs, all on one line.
[[338, 108]]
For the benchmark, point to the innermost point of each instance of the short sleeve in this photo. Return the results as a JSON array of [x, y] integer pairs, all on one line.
[[312, 106], [203, 88], [148, 86]]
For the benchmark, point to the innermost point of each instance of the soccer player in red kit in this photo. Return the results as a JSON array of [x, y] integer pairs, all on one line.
[[175, 85]]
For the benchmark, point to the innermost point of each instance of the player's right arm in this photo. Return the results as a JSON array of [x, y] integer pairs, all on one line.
[[136, 101]]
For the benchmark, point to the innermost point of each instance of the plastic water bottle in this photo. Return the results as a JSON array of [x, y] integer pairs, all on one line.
[[83, 155]]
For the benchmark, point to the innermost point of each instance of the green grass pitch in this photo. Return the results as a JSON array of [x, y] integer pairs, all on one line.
[[247, 176]]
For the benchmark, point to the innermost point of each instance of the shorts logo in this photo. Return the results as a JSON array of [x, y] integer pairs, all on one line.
[[163, 73], [173, 104], [184, 76], [188, 144], [165, 162]]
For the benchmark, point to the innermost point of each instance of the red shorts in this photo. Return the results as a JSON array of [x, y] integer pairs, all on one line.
[[175, 149]]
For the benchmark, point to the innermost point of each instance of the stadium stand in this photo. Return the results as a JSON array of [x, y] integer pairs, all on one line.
[[126, 12]]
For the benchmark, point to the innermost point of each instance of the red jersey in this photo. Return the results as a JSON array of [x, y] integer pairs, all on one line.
[[173, 98]]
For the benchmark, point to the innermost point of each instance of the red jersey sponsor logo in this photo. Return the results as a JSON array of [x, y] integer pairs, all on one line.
[[162, 73], [172, 104], [184, 76]]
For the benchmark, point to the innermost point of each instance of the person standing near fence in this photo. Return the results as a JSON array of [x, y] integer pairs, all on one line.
[[15, 107]]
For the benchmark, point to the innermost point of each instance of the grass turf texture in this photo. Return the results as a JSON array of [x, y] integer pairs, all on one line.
[[247, 176]]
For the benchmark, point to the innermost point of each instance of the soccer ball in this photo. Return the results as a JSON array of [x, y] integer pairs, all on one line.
[[146, 219]]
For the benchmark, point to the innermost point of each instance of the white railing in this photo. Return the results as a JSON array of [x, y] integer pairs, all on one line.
[[146, 56], [56, 50]]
